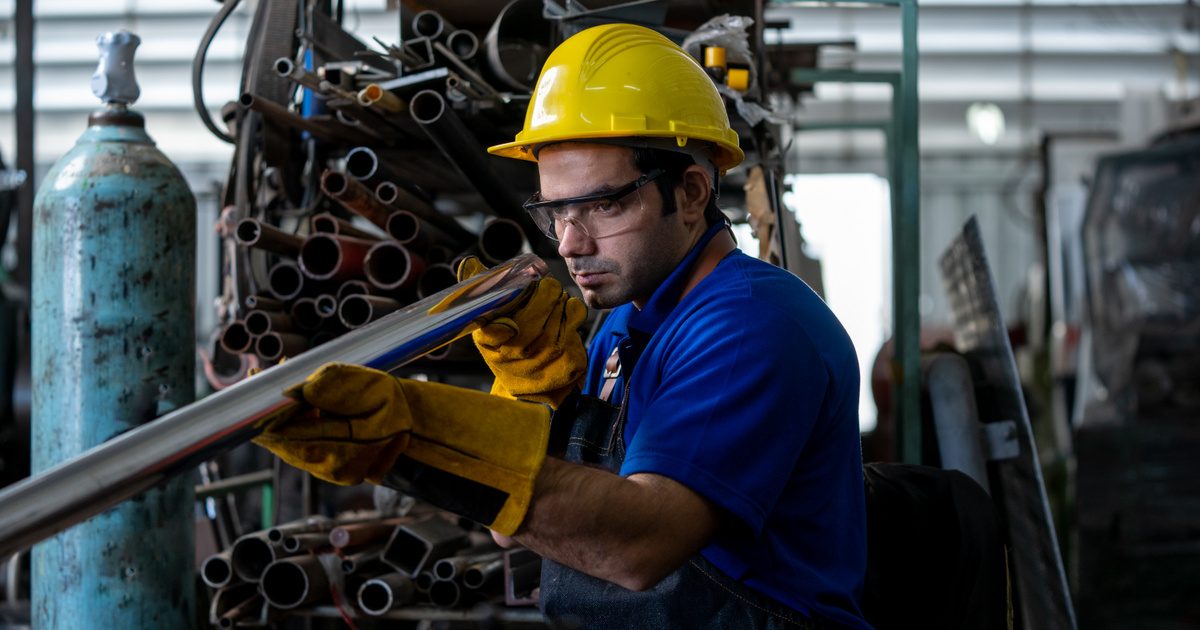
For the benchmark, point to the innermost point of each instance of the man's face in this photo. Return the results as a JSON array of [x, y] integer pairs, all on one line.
[[627, 265]]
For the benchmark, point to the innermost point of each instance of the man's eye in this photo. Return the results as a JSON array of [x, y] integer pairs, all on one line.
[[605, 207]]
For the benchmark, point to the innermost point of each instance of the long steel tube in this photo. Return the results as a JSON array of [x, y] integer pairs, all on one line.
[[447, 131], [379, 595], [500, 240], [356, 197], [255, 233], [390, 265], [142, 458]]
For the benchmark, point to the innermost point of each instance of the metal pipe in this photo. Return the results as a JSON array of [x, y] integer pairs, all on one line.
[[390, 265], [251, 607], [359, 310], [450, 568], [276, 345], [333, 133], [293, 582], [255, 233], [459, 65], [463, 43], [327, 305], [351, 535], [217, 569], [407, 228], [500, 240], [329, 224], [396, 197], [333, 257], [228, 599], [356, 197], [235, 338], [263, 302], [459, 89], [423, 581], [446, 131], [260, 322], [352, 287], [445, 593], [416, 53], [362, 560], [428, 23], [305, 314], [364, 164], [436, 278], [306, 525], [375, 96], [522, 574], [42, 505], [481, 575], [417, 546], [285, 280], [304, 542], [251, 554], [382, 594], [286, 68], [519, 21]]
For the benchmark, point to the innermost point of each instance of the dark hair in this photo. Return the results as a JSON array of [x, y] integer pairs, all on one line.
[[674, 163]]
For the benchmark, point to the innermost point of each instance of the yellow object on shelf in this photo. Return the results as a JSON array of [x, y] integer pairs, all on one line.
[[714, 57], [738, 79]]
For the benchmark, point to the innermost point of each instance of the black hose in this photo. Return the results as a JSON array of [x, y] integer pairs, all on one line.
[[198, 70]]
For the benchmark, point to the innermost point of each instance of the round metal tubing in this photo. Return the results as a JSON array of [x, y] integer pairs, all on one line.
[[45, 504]]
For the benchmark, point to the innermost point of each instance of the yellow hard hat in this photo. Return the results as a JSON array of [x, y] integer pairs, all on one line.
[[624, 81]]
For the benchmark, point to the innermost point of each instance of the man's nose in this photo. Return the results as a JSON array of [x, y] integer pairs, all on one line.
[[574, 241]]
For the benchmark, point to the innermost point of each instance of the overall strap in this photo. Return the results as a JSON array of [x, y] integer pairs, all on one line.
[[712, 254]]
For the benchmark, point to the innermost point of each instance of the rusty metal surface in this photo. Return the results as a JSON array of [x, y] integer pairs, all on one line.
[[112, 314]]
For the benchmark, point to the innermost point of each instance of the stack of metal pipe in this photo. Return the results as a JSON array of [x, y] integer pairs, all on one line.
[[372, 236], [351, 197], [365, 564], [342, 275]]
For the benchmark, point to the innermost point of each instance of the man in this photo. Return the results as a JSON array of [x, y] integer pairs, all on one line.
[[720, 391]]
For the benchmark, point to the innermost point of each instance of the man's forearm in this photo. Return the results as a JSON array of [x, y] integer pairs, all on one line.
[[630, 531]]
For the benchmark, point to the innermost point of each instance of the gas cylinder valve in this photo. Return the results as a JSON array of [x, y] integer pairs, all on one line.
[[114, 82]]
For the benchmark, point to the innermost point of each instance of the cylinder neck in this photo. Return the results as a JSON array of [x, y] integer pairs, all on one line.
[[116, 114]]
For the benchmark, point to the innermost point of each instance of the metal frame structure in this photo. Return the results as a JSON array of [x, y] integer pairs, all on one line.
[[903, 160]]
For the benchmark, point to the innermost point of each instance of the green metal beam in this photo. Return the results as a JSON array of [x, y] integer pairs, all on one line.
[[906, 245], [849, 125], [904, 178]]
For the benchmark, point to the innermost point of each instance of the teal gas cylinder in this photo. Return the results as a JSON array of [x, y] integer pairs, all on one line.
[[112, 348]]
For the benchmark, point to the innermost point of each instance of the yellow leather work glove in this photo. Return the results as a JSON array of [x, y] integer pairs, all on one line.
[[351, 425], [535, 352], [461, 449]]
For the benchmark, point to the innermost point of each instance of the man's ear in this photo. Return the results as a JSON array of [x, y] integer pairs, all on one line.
[[693, 193]]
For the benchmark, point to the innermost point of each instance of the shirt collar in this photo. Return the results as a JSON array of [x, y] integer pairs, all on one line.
[[666, 296]]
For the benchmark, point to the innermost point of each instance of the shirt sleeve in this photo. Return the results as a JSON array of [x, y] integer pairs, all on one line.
[[740, 392]]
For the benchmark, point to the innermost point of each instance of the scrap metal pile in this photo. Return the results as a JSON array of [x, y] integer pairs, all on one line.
[[362, 564]]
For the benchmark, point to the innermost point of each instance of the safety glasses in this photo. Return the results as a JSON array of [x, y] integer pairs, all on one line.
[[598, 215]]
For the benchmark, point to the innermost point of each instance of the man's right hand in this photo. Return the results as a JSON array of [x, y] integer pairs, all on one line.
[[461, 449], [535, 352], [352, 424]]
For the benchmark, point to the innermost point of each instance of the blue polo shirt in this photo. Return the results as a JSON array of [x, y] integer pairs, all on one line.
[[746, 391]]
